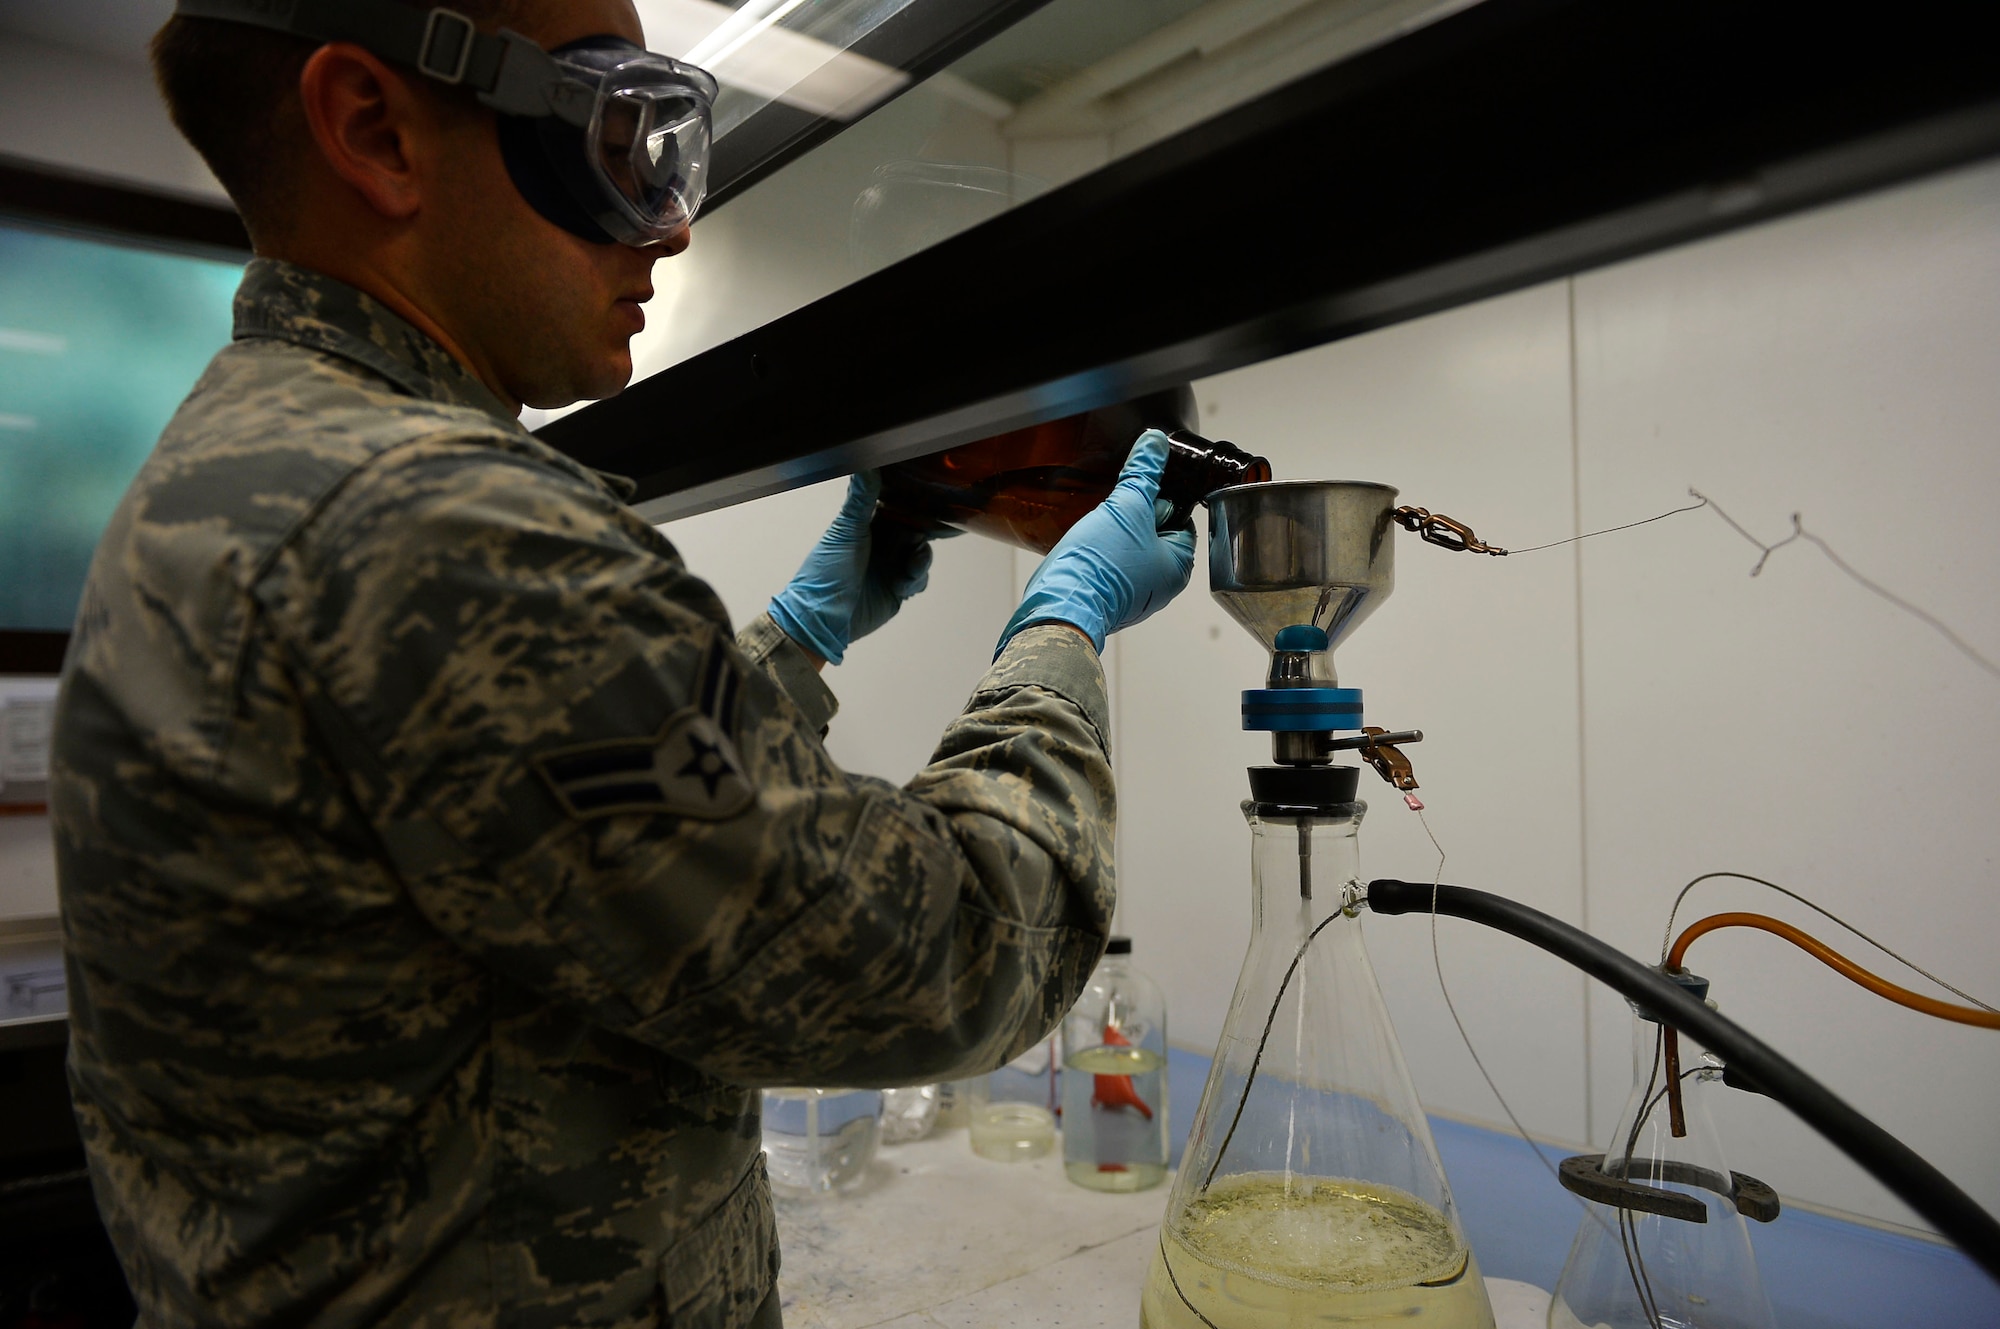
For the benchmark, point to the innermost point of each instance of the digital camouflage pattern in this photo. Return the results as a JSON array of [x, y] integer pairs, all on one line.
[[440, 878]]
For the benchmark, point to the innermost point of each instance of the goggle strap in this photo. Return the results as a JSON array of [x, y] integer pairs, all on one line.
[[509, 72]]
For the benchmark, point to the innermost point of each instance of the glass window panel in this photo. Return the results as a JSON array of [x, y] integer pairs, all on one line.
[[98, 346], [1069, 89], [790, 51]]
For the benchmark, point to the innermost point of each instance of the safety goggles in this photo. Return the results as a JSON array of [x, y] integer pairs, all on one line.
[[626, 135], [611, 141]]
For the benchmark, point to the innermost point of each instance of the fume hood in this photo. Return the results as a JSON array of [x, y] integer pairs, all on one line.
[[1187, 188]]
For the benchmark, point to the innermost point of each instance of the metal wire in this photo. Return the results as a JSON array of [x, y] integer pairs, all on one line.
[[1667, 940], [1799, 532], [1643, 521], [1444, 990], [1437, 963], [1635, 1262], [1164, 1264], [1256, 1060]]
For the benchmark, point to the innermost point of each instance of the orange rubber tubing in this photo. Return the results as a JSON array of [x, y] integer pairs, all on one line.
[[1833, 959]]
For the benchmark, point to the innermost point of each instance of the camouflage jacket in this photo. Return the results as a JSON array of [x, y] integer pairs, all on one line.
[[440, 877]]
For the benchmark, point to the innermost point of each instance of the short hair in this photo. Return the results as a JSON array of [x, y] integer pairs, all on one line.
[[233, 92]]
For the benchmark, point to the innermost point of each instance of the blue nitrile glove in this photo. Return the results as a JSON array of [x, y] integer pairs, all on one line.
[[1113, 569], [856, 577]]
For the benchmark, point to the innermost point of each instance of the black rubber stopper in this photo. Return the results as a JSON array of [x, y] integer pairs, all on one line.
[[1696, 985], [1304, 786], [1119, 946]]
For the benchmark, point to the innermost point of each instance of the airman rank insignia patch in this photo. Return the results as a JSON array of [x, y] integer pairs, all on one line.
[[690, 770], [720, 684]]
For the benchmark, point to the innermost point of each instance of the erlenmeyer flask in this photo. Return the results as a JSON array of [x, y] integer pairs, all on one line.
[[1311, 1191], [1664, 1244]]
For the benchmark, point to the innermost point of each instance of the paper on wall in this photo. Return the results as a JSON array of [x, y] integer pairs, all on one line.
[[27, 721]]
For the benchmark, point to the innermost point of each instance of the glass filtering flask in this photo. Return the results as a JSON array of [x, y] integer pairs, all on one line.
[[1663, 1243], [1029, 486], [1114, 1081], [1310, 1191]]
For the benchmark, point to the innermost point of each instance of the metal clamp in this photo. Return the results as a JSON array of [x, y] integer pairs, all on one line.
[[1444, 532], [1377, 747], [1584, 1174], [1382, 753]]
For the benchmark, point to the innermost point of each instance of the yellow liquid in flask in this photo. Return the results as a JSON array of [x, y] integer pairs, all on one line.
[[1263, 1251]]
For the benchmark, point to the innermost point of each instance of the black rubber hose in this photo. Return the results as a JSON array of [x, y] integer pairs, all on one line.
[[1887, 1159]]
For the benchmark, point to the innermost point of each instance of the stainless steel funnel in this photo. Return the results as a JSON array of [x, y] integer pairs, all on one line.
[[1320, 552]]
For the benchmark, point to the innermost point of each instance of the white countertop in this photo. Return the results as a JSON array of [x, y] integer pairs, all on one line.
[[936, 1237]]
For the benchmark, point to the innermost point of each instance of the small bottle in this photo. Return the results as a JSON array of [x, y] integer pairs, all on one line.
[[1029, 486], [817, 1141], [1115, 1078], [1014, 1108], [954, 1105], [909, 1113]]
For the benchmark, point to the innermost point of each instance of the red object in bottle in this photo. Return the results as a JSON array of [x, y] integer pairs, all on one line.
[[1029, 486], [1116, 1091]]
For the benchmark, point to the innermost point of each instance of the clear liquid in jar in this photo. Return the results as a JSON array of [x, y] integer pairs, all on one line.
[[1115, 1118]]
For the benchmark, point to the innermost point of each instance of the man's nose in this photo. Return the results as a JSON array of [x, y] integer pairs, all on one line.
[[674, 243]]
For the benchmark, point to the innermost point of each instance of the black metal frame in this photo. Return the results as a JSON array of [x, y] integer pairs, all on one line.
[[920, 40], [117, 211], [1514, 142], [23, 652]]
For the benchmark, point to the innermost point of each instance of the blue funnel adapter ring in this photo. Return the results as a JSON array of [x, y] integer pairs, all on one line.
[[1302, 710]]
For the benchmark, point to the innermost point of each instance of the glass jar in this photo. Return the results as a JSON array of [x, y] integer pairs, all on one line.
[[1029, 486], [1013, 1110], [1114, 1083], [1668, 1249], [817, 1141], [954, 1105], [909, 1113]]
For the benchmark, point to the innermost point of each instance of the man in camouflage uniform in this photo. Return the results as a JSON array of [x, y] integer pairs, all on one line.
[[440, 876]]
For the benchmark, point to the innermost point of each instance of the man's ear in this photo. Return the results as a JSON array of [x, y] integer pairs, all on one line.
[[365, 119]]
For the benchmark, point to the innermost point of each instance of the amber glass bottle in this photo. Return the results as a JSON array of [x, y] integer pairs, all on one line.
[[1029, 486]]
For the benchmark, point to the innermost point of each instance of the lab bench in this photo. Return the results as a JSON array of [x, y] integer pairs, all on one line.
[[935, 1237]]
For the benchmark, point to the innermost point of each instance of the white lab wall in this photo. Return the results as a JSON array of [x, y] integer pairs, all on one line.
[[85, 112], [1796, 726], [1607, 720]]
